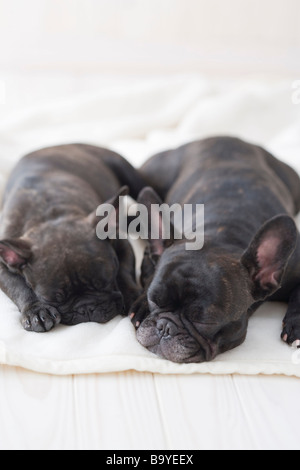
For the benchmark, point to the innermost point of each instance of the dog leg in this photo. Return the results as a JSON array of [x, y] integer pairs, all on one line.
[[36, 316], [291, 322]]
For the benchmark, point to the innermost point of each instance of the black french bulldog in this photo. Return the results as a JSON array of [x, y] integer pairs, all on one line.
[[197, 303], [53, 266]]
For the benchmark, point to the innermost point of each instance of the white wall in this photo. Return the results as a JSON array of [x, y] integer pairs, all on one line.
[[150, 36]]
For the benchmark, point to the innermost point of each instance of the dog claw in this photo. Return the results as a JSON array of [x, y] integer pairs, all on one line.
[[40, 318], [26, 324], [285, 337], [296, 344]]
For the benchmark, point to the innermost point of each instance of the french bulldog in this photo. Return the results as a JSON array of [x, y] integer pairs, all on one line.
[[53, 266], [197, 304]]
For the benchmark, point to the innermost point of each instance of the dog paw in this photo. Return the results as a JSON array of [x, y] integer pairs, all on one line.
[[139, 311], [40, 317], [291, 332]]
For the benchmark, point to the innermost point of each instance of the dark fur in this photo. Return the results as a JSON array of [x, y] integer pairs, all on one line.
[[197, 304], [53, 266]]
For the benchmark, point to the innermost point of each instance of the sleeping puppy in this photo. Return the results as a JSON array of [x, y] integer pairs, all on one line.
[[197, 303], [53, 266]]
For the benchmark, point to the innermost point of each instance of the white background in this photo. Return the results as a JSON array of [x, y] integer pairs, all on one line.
[[53, 48], [150, 36], [87, 69]]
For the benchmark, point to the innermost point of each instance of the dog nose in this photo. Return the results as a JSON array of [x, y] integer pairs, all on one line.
[[166, 327]]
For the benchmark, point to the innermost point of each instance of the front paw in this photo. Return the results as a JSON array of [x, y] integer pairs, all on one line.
[[291, 331], [139, 311], [40, 317]]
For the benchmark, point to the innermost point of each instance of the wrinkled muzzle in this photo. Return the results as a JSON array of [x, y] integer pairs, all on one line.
[[175, 339], [90, 308]]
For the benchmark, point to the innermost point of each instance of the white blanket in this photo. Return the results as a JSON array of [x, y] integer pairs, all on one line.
[[138, 120]]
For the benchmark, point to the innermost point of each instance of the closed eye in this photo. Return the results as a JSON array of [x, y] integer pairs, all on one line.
[[152, 305], [162, 308], [209, 329]]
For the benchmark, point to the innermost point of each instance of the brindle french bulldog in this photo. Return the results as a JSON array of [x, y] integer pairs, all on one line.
[[53, 266], [197, 303]]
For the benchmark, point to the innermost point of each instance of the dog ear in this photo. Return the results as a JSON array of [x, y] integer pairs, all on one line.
[[111, 217], [115, 200], [15, 252], [155, 223], [268, 254]]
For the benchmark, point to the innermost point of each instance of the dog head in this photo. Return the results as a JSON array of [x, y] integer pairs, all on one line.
[[200, 301], [67, 266]]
